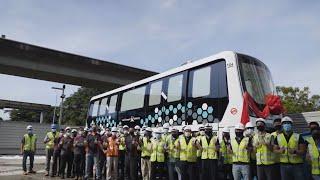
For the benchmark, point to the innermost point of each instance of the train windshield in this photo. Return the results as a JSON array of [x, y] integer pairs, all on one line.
[[256, 78]]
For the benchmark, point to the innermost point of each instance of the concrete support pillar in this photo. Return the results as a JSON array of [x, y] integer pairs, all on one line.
[[41, 117]]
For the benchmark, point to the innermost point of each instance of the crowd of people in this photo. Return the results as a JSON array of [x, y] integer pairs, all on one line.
[[250, 152]]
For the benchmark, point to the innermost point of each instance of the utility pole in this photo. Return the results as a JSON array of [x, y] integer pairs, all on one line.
[[61, 104]]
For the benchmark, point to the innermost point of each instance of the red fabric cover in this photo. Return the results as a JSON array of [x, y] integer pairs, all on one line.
[[273, 106]]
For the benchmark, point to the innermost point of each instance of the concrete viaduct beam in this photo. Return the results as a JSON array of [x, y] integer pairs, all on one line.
[[21, 59]]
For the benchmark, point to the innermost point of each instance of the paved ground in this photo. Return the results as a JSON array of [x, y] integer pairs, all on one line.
[[11, 168]]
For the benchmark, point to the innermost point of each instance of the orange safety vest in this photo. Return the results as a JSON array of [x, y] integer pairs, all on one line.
[[113, 147]]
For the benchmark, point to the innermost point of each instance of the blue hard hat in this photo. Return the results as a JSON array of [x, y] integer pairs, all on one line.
[[53, 126]]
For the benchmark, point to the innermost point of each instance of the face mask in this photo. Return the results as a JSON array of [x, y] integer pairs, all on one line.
[[126, 132], [187, 134], [202, 133], [208, 133], [277, 127], [53, 130], [287, 127], [30, 132], [68, 134], [239, 134], [175, 135], [157, 136], [261, 128], [313, 128], [114, 133]]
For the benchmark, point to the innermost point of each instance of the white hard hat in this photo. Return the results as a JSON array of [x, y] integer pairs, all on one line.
[[29, 127], [149, 129], [68, 128], [249, 125], [260, 120], [125, 127], [239, 126], [157, 131], [137, 127], [286, 119], [114, 129], [86, 129], [187, 128], [166, 126], [174, 129], [144, 127], [226, 130], [74, 130], [208, 126]]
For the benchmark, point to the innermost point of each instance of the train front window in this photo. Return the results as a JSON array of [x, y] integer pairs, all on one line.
[[256, 78]]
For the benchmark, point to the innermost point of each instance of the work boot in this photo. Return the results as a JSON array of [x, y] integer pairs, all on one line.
[[25, 173], [32, 171], [46, 174]]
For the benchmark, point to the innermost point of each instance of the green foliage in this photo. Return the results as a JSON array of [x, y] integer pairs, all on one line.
[[76, 106], [297, 100]]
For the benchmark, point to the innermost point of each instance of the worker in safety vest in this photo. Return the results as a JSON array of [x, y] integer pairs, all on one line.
[[145, 144], [123, 132], [188, 155], [199, 150], [111, 144], [209, 145], [307, 136], [241, 149], [225, 155], [313, 152], [28, 149], [263, 146], [173, 154], [291, 148], [49, 141], [157, 156], [249, 132]]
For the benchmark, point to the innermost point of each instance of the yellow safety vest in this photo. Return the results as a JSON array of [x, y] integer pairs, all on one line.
[[157, 154], [173, 151], [29, 142], [264, 156], [188, 152], [276, 156], [122, 146], [209, 150], [314, 154], [145, 149], [227, 157], [240, 152], [50, 143], [199, 151], [292, 144]]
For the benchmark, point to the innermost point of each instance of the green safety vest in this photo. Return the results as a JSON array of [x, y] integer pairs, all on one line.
[[199, 151], [209, 150], [173, 151], [145, 149], [240, 152], [227, 157], [122, 146], [188, 152], [29, 142], [157, 154], [292, 144], [50, 143], [264, 156], [314, 155], [276, 156]]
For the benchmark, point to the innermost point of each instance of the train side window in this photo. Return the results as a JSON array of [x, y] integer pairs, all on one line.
[[155, 93], [95, 108], [133, 99], [103, 107], [113, 104], [200, 82], [219, 80], [175, 86]]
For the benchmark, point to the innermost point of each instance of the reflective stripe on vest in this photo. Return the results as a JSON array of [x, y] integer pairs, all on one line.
[[240, 152], [157, 154], [29, 142], [314, 154], [145, 149], [209, 150], [264, 156], [292, 144], [188, 152], [51, 137], [276, 156], [227, 157]]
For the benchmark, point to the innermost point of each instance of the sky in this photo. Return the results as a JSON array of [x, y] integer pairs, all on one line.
[[160, 35]]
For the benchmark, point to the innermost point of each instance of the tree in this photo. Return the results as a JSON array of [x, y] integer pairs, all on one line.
[[76, 106], [296, 100]]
